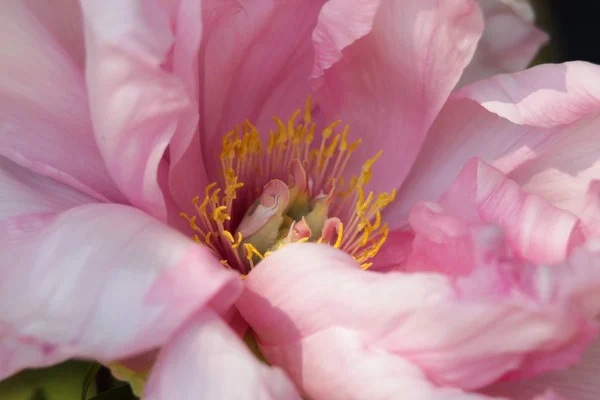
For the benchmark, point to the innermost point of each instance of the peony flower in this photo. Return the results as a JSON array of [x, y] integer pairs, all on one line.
[[412, 231]]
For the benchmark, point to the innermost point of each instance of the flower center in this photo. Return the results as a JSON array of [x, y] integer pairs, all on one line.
[[290, 191]]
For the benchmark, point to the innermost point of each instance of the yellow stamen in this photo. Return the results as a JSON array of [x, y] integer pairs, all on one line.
[[247, 165]]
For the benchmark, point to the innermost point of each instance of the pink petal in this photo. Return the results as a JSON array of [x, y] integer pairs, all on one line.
[[98, 281], [578, 383], [536, 230], [559, 151], [591, 210], [545, 96], [336, 364], [187, 176], [136, 105], [565, 168], [397, 68], [456, 332], [478, 258], [394, 252], [510, 40], [62, 19], [262, 53], [206, 360], [43, 107], [23, 192]]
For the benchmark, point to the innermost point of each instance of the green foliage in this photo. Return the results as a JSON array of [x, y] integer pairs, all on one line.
[[61, 382]]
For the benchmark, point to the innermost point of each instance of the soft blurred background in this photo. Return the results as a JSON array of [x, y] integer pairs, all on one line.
[[573, 26]]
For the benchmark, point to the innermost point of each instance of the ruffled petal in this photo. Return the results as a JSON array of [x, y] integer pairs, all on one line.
[[462, 332], [578, 383], [536, 230], [98, 281], [336, 364], [45, 123], [206, 360], [540, 127], [262, 53], [136, 104], [510, 40], [187, 175], [545, 96], [23, 192], [386, 68], [481, 262]]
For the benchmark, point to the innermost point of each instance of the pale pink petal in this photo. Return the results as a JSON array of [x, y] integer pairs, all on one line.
[[206, 360], [455, 331], [136, 104], [552, 147], [386, 68], [545, 96], [262, 53], [565, 168], [44, 118], [578, 383], [336, 364], [591, 210], [23, 191], [481, 262], [536, 230], [62, 19], [510, 40], [187, 177], [98, 281]]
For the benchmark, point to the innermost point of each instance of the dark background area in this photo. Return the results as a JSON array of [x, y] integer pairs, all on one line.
[[574, 27]]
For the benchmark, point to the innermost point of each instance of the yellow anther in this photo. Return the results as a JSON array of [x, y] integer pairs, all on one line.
[[329, 130], [191, 220], [209, 188], [344, 142], [310, 135], [354, 146], [214, 197], [365, 204], [227, 138], [219, 214], [202, 207], [252, 251], [377, 220], [229, 236], [271, 144], [307, 111], [361, 198], [238, 241], [331, 148], [292, 123], [338, 241], [281, 135]]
